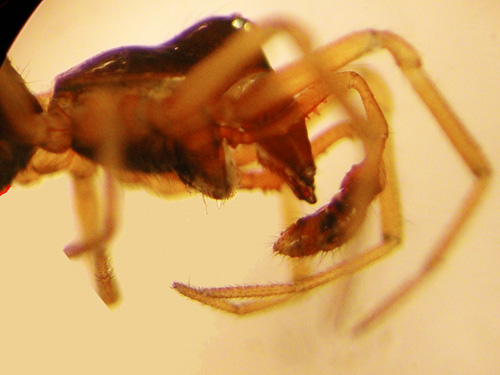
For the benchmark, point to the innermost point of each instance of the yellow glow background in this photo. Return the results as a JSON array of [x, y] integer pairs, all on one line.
[[52, 322]]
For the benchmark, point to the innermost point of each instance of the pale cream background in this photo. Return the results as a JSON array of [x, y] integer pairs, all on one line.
[[52, 322]]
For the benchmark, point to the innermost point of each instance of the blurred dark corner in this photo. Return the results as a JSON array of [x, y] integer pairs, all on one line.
[[13, 16]]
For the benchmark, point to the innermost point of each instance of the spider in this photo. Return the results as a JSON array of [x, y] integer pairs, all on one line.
[[194, 112]]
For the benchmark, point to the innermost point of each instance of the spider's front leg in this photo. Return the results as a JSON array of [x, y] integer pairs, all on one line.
[[333, 224], [331, 58]]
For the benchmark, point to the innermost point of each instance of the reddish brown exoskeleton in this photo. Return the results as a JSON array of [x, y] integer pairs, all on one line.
[[196, 110]]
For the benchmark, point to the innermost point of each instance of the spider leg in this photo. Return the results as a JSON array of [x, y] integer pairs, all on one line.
[[390, 212], [87, 211], [21, 116], [265, 180], [83, 173], [299, 77], [98, 116], [238, 54], [97, 239], [410, 64], [336, 55]]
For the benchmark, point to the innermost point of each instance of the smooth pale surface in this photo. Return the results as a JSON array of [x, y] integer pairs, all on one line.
[[52, 322]]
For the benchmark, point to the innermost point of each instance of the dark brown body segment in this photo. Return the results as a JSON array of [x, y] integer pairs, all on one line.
[[288, 155], [174, 57]]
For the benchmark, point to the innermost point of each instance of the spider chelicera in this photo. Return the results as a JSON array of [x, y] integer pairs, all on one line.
[[195, 111]]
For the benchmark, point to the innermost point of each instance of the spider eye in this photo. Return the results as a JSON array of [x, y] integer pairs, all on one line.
[[240, 23]]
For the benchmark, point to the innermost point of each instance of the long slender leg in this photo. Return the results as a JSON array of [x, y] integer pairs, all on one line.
[[233, 58], [265, 180], [97, 239], [409, 62], [334, 57], [87, 206], [87, 212], [98, 114], [220, 297], [391, 226]]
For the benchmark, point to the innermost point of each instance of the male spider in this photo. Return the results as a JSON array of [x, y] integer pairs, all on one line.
[[195, 111]]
